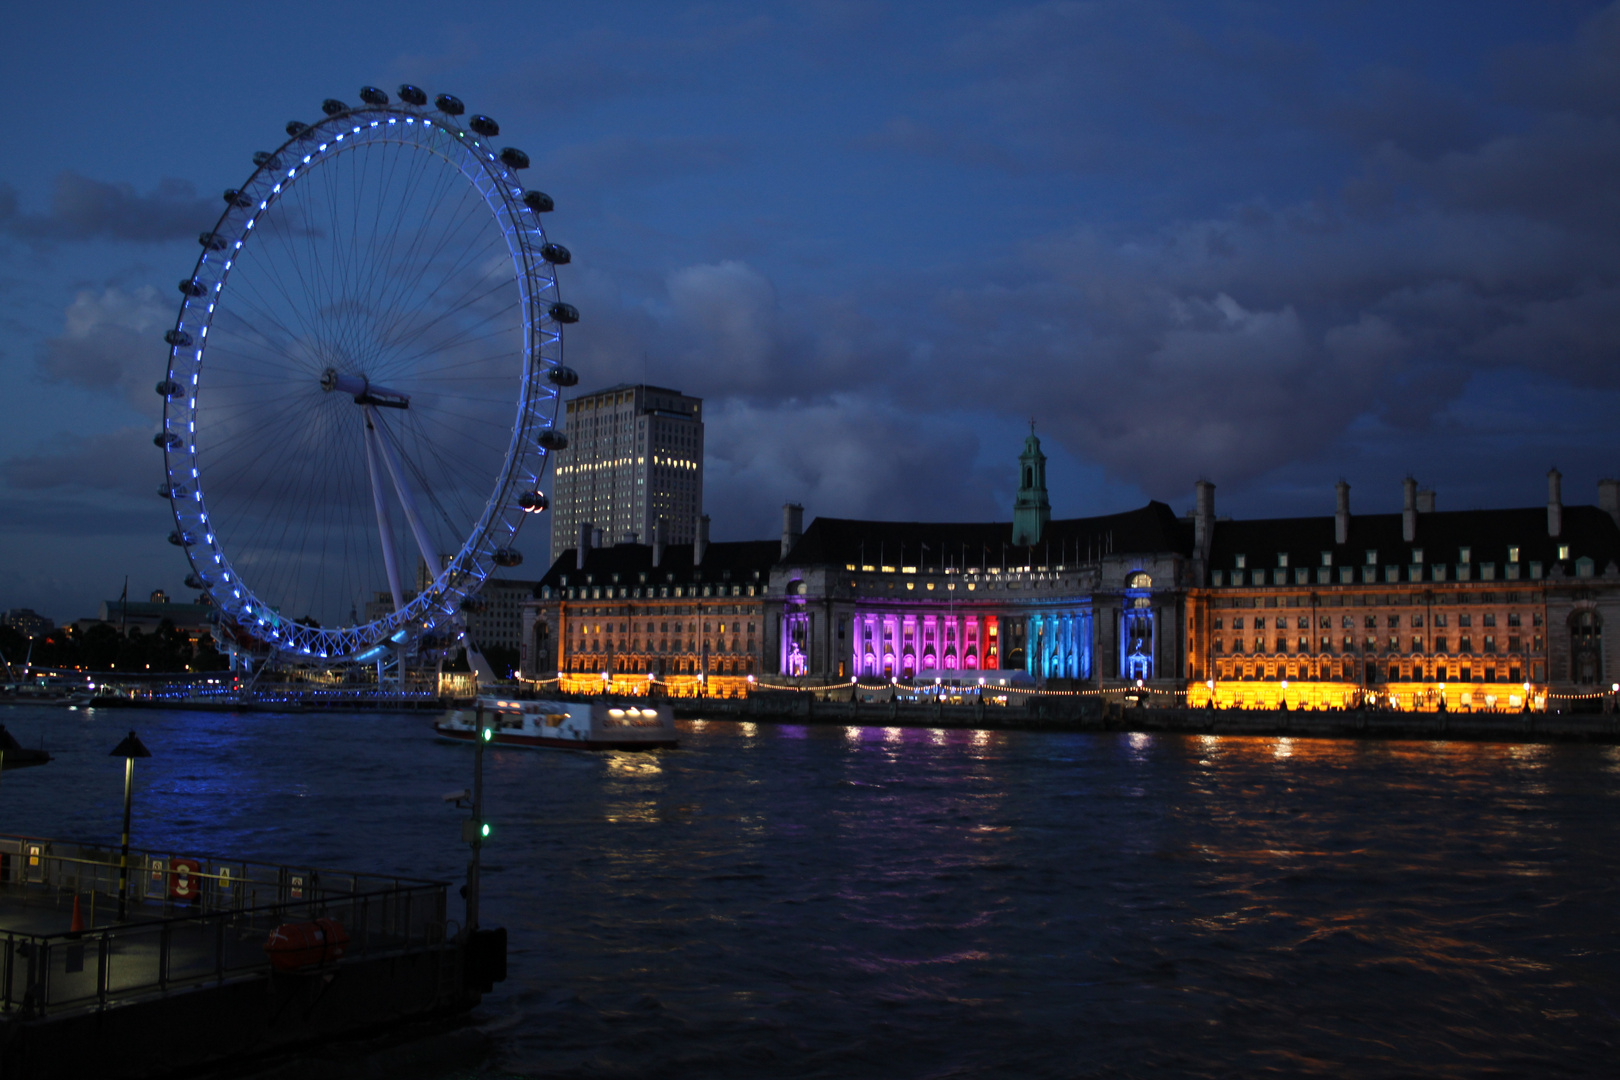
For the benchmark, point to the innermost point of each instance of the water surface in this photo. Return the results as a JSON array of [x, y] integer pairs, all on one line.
[[781, 901]]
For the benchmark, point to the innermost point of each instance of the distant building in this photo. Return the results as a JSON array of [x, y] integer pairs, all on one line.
[[500, 622], [634, 459], [27, 622], [1480, 609], [146, 616]]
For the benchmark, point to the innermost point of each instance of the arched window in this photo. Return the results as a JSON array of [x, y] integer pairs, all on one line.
[[1138, 580]]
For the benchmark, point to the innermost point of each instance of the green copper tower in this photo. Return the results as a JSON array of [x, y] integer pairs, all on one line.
[[1031, 510]]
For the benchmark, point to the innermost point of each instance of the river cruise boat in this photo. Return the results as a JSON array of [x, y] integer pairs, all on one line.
[[575, 725]]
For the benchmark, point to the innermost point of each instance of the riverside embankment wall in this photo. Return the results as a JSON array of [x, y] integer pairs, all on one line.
[[1094, 714]]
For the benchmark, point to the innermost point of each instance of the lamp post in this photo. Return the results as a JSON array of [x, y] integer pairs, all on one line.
[[130, 749]]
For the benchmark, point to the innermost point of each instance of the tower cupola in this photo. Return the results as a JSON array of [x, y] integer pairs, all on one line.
[[1031, 509]]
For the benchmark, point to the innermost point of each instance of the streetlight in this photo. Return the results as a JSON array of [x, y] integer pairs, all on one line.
[[130, 749]]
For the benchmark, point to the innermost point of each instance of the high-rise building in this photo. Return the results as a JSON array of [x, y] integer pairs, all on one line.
[[634, 457]]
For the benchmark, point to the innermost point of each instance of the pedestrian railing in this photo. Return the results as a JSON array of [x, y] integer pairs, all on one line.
[[188, 919]]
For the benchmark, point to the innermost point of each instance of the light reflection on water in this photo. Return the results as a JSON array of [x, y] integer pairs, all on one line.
[[808, 901]]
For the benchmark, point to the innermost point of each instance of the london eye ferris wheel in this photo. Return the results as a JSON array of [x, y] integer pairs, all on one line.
[[363, 380]]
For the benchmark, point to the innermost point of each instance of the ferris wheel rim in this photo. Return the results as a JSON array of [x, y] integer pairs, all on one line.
[[528, 452]]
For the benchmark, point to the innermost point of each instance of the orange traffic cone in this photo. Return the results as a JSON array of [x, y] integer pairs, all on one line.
[[78, 917]]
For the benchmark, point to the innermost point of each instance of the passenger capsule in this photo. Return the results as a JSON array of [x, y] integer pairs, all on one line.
[[236, 198], [533, 501], [264, 159], [449, 104], [193, 287], [371, 95], [168, 388], [412, 95], [178, 338], [564, 313], [211, 241], [172, 491], [332, 106], [484, 125], [555, 254], [168, 440], [513, 158], [507, 557], [195, 582], [539, 202], [563, 376], [181, 539], [552, 439], [296, 128]]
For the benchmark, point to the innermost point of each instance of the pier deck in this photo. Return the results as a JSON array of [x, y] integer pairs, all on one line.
[[188, 959]]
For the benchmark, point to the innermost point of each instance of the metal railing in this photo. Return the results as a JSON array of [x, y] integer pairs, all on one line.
[[189, 919]]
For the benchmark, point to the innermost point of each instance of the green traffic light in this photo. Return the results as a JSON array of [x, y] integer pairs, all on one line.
[[483, 830], [489, 733]]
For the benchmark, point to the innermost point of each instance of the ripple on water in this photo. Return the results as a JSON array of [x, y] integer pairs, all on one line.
[[830, 902]]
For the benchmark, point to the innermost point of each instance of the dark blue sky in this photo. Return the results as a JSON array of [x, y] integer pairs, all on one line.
[[1270, 244]]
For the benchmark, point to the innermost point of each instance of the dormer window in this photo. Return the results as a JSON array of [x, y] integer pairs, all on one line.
[[1464, 554], [1240, 561], [1563, 552], [1372, 556], [1327, 558], [1282, 560], [1417, 556], [1513, 554]]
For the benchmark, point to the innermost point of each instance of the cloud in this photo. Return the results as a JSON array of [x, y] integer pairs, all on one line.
[[115, 461], [730, 310], [846, 456], [86, 209], [111, 340]]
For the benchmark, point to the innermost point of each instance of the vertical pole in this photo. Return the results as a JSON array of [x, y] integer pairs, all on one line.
[[478, 819], [123, 853]]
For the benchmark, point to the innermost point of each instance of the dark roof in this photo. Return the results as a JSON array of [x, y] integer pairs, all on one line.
[[1588, 530], [630, 386], [842, 541], [738, 558]]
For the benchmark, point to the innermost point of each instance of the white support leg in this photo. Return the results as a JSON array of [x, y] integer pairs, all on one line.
[[391, 459], [385, 525]]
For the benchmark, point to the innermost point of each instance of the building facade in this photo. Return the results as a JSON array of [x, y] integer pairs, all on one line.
[[686, 618], [1423, 609], [633, 463]]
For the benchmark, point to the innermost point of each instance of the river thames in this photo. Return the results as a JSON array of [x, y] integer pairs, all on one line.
[[782, 901]]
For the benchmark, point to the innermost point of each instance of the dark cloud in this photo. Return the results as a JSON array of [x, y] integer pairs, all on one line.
[[845, 456], [111, 341], [86, 209], [123, 461]]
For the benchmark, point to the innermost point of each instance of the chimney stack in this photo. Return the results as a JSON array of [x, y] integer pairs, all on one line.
[[1555, 503], [596, 538], [702, 543], [1609, 498], [792, 526], [1203, 517], [584, 545], [1426, 502], [1409, 509], [658, 542], [1341, 513]]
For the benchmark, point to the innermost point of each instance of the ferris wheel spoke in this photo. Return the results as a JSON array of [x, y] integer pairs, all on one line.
[[410, 284]]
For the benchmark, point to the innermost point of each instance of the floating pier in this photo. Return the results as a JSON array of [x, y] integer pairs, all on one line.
[[185, 979]]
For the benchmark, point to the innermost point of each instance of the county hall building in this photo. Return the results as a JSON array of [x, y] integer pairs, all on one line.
[[1486, 609]]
